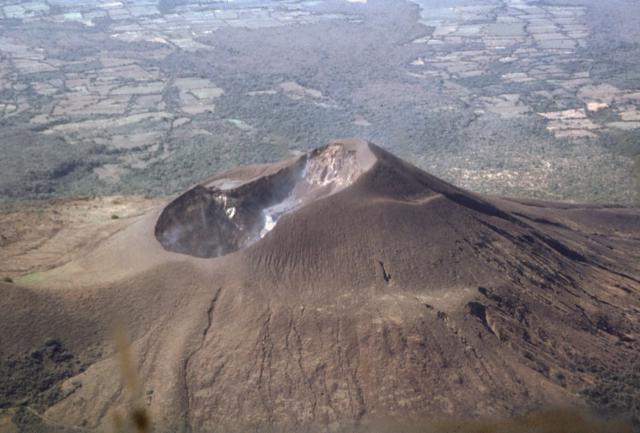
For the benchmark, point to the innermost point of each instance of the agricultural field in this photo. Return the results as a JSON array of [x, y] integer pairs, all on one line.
[[514, 97]]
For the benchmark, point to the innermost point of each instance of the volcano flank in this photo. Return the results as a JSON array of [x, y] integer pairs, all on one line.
[[334, 289]]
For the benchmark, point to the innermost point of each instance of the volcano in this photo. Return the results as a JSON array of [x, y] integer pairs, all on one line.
[[334, 289]]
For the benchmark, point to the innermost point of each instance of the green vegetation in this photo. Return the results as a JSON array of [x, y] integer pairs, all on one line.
[[34, 379], [34, 277], [618, 393], [156, 116]]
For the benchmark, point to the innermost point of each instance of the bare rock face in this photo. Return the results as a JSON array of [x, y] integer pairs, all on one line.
[[344, 287]]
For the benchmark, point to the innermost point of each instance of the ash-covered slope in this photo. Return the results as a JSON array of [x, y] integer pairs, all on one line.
[[344, 287], [235, 210]]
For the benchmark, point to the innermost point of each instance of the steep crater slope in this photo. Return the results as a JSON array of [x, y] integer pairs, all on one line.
[[234, 210]]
